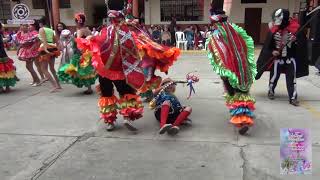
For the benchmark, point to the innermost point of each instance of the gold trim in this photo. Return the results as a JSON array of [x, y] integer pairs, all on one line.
[[114, 50]]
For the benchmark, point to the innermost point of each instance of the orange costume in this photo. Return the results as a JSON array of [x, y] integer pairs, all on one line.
[[117, 55]]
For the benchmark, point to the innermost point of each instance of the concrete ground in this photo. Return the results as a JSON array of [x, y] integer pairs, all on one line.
[[58, 136]]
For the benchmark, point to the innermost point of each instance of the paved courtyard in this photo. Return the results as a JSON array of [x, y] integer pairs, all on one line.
[[59, 136]]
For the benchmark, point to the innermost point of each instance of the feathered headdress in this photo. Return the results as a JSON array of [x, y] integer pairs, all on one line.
[[78, 18]]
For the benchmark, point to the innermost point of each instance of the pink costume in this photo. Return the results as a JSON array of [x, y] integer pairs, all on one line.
[[28, 45]]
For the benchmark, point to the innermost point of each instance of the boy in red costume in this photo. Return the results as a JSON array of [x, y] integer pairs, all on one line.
[[168, 109]]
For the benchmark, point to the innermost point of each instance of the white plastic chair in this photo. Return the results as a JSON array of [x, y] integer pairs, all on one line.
[[181, 39]]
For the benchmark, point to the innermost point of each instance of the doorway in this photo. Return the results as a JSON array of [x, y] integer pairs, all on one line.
[[252, 23]]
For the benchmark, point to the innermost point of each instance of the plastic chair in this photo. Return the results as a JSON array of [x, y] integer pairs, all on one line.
[[181, 39]]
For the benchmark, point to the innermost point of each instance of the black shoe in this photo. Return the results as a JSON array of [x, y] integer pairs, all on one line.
[[110, 126], [243, 130], [165, 128], [88, 92], [129, 125], [271, 96], [294, 102], [187, 122], [16, 78], [173, 131]]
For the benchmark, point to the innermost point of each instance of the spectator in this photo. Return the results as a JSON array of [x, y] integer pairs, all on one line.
[[197, 38], [150, 29], [190, 37], [60, 27], [166, 37], [156, 35], [205, 36], [94, 32], [145, 29], [173, 29]]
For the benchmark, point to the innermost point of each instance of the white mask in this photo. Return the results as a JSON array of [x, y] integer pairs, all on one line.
[[278, 17]]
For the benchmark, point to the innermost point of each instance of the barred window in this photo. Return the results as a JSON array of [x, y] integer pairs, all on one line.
[[253, 1], [183, 10], [39, 4], [5, 11]]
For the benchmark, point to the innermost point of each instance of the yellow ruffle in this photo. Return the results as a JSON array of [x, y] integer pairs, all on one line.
[[90, 76], [71, 70], [7, 75], [86, 58]]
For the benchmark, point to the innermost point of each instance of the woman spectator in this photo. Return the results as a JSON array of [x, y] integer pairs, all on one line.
[[166, 37], [60, 27], [197, 38], [190, 37], [156, 35], [94, 32]]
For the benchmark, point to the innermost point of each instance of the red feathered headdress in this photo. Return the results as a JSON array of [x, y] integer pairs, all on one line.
[[78, 18]]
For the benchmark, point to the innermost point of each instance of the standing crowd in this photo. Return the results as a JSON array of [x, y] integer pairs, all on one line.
[[169, 35]]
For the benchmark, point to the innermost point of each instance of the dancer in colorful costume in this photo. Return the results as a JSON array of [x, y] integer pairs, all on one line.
[[117, 54], [48, 52], [28, 51], [7, 69], [231, 53], [79, 71], [284, 51]]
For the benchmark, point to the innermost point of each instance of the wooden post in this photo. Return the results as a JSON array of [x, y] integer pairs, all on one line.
[[55, 12], [135, 8]]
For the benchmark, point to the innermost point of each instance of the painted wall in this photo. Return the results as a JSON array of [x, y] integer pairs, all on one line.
[[153, 16], [236, 10]]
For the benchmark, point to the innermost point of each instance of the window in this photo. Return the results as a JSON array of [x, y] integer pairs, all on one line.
[[183, 10], [65, 4], [5, 11], [253, 1], [40, 4]]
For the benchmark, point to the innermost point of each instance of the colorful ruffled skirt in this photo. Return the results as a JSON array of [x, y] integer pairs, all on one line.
[[44, 56], [231, 54], [241, 107], [28, 53], [129, 106], [79, 72], [146, 90], [7, 72]]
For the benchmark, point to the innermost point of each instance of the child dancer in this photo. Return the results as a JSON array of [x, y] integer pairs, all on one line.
[[168, 110]]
